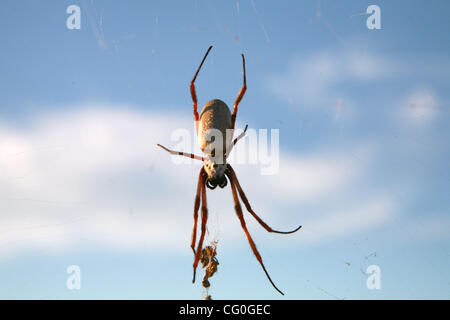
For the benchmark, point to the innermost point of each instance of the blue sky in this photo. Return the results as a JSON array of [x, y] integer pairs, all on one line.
[[364, 156]]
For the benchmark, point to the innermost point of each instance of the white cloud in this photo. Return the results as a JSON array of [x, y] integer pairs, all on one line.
[[355, 219], [94, 177], [313, 80], [308, 177], [324, 80]]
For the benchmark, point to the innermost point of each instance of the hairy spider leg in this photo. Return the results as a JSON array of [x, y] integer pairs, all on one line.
[[193, 93], [238, 209], [179, 153], [235, 141], [249, 208], [203, 230], [201, 181], [240, 95]]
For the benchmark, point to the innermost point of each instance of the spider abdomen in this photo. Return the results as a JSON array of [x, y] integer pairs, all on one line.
[[214, 115]]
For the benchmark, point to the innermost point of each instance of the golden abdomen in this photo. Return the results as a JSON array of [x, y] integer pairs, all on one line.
[[215, 115]]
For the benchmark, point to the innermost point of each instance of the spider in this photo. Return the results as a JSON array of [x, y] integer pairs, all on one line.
[[216, 115]]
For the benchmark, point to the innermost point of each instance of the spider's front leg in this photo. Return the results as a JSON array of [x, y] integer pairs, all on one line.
[[233, 176], [201, 181], [238, 208], [203, 227]]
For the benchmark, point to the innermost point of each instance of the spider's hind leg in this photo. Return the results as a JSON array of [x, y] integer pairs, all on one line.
[[240, 95], [192, 88]]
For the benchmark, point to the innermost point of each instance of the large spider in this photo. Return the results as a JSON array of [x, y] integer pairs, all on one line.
[[216, 115]]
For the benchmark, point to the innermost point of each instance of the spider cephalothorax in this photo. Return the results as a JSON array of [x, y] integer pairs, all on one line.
[[213, 183], [215, 173], [216, 116]]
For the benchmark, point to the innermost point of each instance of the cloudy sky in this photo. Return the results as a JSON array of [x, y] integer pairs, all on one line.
[[363, 161]]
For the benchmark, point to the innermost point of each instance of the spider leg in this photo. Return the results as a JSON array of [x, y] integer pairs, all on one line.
[[235, 141], [249, 208], [203, 229], [240, 95], [239, 137], [193, 93], [179, 153], [238, 208], [201, 181]]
